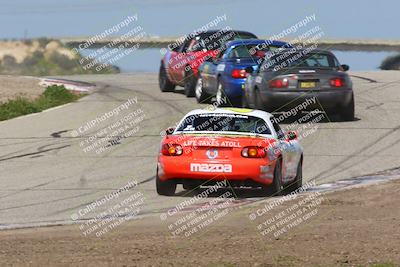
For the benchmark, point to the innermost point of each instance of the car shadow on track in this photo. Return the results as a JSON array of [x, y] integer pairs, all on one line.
[[237, 193]]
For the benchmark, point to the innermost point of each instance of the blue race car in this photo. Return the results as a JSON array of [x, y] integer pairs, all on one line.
[[225, 75]]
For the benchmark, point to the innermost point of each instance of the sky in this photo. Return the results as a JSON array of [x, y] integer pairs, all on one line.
[[339, 19]]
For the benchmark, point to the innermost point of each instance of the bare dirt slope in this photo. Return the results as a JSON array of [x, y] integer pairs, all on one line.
[[14, 86], [356, 227]]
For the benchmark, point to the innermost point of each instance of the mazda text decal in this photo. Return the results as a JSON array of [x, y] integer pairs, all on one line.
[[198, 167]]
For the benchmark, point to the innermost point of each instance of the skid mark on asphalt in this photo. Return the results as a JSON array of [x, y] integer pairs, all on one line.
[[35, 153], [42, 202], [353, 156], [96, 191], [380, 86], [19, 191], [156, 99], [367, 146], [364, 78], [62, 199], [39, 152], [58, 134]]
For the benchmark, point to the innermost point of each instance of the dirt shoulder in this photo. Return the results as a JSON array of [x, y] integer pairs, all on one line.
[[14, 86], [356, 227]]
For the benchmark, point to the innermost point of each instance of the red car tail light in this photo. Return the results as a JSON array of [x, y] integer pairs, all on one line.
[[279, 83], [253, 152], [171, 150], [239, 74], [336, 82]]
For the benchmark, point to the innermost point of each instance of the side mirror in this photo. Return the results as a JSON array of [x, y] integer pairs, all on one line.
[[291, 135], [175, 49], [249, 70], [170, 130], [345, 67]]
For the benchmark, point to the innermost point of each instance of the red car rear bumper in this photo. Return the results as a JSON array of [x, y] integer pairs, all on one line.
[[258, 170]]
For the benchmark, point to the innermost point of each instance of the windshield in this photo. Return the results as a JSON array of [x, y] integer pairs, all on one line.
[[217, 40], [232, 123], [300, 59], [250, 51]]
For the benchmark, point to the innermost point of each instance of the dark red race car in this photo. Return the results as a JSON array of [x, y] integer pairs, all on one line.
[[180, 64]]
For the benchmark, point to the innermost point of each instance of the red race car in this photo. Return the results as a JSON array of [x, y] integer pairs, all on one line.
[[243, 146], [180, 64]]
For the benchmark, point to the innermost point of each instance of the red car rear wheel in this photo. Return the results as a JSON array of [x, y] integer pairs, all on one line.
[[165, 188]]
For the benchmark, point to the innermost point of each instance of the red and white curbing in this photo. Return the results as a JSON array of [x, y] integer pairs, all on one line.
[[74, 86]]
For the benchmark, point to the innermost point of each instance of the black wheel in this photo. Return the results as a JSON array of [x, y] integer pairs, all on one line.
[[245, 102], [165, 84], [220, 98], [223, 100], [298, 182], [299, 176], [165, 188], [235, 102], [190, 83], [276, 187], [347, 113], [201, 95]]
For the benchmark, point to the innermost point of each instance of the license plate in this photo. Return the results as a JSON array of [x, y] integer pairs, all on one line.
[[220, 153], [307, 84]]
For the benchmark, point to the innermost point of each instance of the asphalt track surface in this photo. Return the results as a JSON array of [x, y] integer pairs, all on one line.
[[46, 176]]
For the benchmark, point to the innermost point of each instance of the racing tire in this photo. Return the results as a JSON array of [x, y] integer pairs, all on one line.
[[219, 97], [298, 182], [201, 96], [165, 84], [165, 188], [245, 102], [190, 83], [347, 114], [276, 186], [257, 100], [299, 176], [236, 102]]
